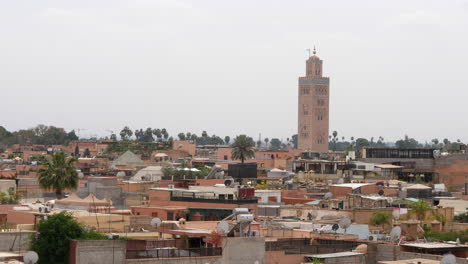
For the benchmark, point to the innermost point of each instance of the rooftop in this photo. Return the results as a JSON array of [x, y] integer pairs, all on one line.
[[352, 185], [430, 245], [334, 255]]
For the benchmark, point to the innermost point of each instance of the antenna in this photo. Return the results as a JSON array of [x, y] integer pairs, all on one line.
[[448, 259], [395, 233], [223, 227], [156, 222], [345, 223], [328, 196], [30, 257]]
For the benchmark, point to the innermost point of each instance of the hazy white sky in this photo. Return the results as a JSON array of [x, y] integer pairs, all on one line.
[[231, 67]]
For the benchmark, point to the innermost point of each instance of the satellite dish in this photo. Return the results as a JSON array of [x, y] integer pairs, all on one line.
[[436, 202], [156, 222], [223, 227], [30, 257], [80, 175], [395, 233], [396, 214], [345, 223], [381, 192], [228, 182], [340, 181], [335, 227], [328, 196], [448, 259]]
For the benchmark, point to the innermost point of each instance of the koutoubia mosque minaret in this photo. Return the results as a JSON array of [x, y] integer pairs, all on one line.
[[313, 115]]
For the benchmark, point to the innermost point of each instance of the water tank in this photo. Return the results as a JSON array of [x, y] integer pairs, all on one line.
[[245, 218], [237, 211]]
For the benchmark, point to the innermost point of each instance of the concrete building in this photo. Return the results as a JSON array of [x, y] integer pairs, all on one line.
[[313, 111]]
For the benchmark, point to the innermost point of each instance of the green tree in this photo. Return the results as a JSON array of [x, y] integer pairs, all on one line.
[[126, 133], [420, 208], [72, 136], [181, 136], [242, 148], [51, 242], [227, 139], [58, 174], [266, 142], [77, 151], [380, 218], [275, 144], [87, 153]]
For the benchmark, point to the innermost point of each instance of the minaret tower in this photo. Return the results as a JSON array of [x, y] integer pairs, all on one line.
[[313, 114]]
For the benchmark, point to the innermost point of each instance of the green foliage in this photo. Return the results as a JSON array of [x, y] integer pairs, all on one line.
[[53, 236], [143, 148], [461, 218], [448, 236], [243, 148], [420, 208], [407, 143], [58, 174], [275, 144], [380, 218], [41, 134]]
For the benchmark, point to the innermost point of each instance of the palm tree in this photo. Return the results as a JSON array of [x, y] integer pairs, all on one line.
[[419, 209], [242, 148], [380, 218], [58, 174]]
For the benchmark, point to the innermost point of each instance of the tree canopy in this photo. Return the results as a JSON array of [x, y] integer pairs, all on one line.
[[243, 148], [58, 174]]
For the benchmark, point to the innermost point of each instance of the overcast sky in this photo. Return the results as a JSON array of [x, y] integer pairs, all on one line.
[[230, 67]]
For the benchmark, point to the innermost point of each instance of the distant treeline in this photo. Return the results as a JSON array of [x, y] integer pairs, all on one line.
[[41, 134]]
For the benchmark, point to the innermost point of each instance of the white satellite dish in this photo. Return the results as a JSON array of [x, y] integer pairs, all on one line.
[[155, 222], [396, 214], [30, 257], [328, 196], [345, 223], [223, 227], [395, 233], [340, 181], [448, 259], [80, 175]]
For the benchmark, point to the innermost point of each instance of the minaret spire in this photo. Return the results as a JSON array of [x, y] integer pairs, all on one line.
[[314, 52]]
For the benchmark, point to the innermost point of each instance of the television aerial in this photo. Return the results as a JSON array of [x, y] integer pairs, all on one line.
[[448, 259], [395, 233], [30, 257], [223, 227], [345, 223], [156, 222], [328, 196], [335, 227]]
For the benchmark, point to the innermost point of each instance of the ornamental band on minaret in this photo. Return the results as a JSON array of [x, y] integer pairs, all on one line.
[[313, 112]]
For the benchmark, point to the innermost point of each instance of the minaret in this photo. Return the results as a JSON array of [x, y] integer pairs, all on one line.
[[313, 114]]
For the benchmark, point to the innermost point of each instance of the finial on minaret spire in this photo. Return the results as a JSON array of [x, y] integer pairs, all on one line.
[[314, 52]]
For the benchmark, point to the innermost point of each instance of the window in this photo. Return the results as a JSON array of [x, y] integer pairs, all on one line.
[[170, 216], [154, 214]]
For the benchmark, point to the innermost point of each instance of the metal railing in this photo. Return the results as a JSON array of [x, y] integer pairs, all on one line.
[[174, 253]]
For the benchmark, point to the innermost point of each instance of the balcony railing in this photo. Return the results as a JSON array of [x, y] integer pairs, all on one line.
[[174, 253], [210, 198]]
